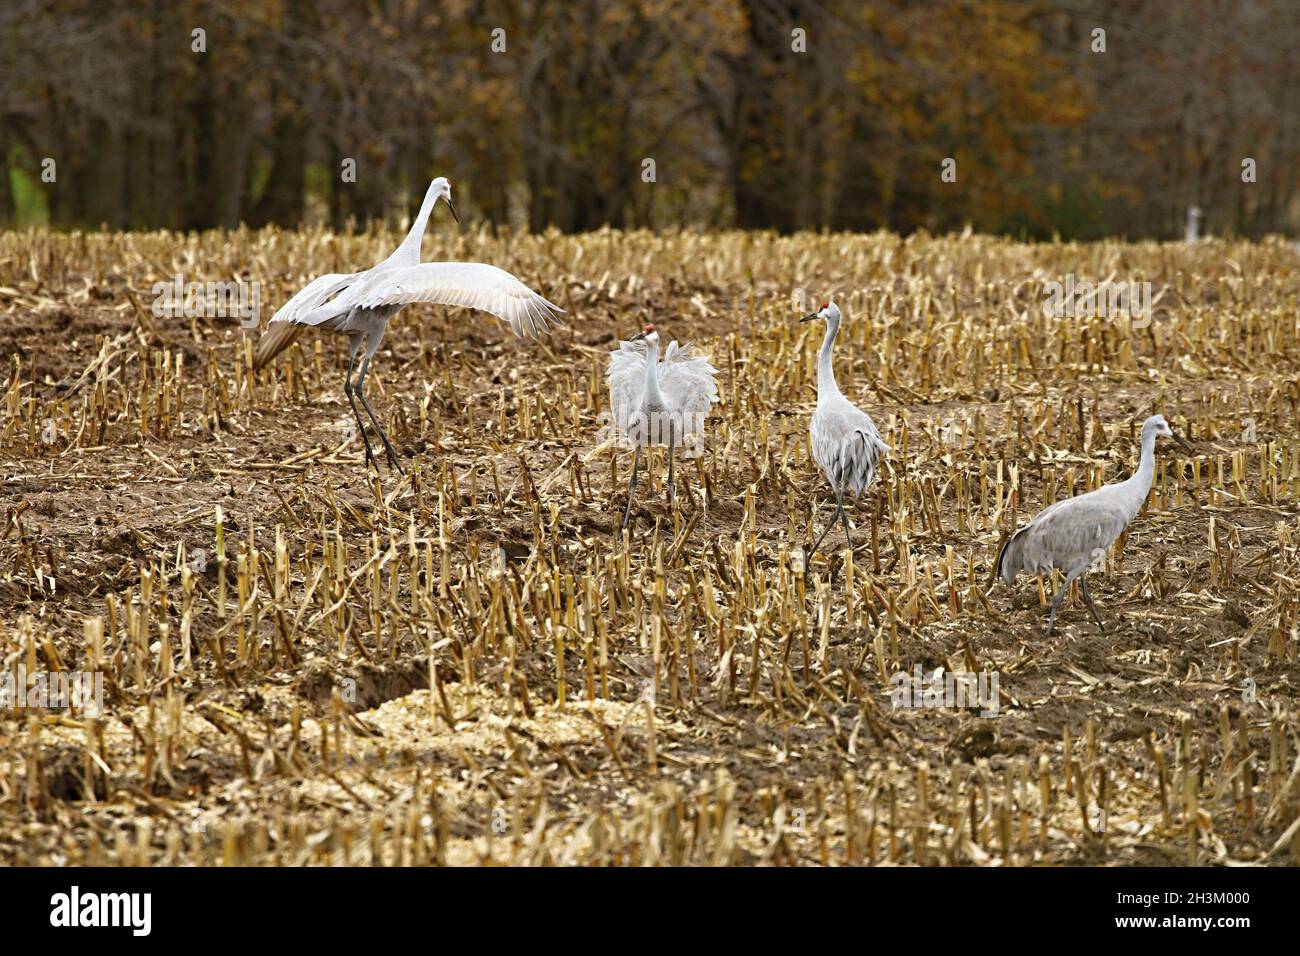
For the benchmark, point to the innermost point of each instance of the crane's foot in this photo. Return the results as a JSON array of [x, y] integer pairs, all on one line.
[[370, 458], [830, 555], [833, 563], [390, 453]]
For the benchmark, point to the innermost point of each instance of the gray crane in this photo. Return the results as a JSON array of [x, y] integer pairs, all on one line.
[[658, 402], [1074, 534], [845, 442], [360, 305]]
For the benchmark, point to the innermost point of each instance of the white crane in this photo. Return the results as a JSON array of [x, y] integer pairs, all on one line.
[[1192, 231], [361, 304], [658, 402], [845, 442], [1075, 533]]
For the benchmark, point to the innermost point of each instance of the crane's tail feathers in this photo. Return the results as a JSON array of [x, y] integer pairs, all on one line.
[[277, 337], [871, 441]]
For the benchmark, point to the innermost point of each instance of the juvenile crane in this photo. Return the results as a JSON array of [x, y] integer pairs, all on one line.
[[845, 442], [658, 402], [1073, 534], [360, 305]]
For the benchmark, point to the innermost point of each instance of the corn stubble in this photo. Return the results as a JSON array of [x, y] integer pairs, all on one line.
[[307, 663]]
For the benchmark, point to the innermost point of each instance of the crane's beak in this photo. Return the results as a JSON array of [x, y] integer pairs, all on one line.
[[637, 338], [809, 318], [1179, 438], [452, 208]]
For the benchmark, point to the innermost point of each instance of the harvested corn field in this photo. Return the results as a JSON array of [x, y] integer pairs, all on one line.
[[304, 660]]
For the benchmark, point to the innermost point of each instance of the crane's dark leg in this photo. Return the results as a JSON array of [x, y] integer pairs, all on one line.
[[361, 394], [1083, 585], [830, 524], [813, 508], [631, 491], [839, 513], [1056, 603], [354, 345]]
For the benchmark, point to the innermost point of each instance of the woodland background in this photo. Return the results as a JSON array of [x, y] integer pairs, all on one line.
[[1049, 137]]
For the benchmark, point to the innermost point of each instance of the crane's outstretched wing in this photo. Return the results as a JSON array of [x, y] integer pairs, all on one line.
[[315, 293], [626, 380], [286, 324], [689, 384], [473, 285]]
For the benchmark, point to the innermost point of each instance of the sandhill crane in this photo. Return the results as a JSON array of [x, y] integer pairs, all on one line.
[[658, 402], [1192, 231], [360, 305], [1073, 534], [845, 442]]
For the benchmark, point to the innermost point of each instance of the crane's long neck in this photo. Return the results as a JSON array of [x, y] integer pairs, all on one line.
[[408, 253], [652, 395], [825, 367], [1139, 483]]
